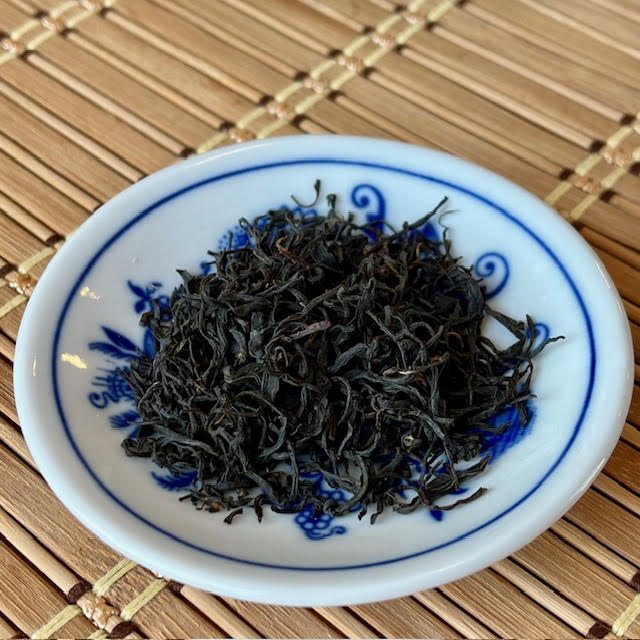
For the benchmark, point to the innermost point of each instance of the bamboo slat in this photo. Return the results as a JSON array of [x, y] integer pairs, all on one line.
[[45, 517], [54, 149], [491, 79], [626, 8], [599, 592], [249, 36], [404, 618], [627, 278], [617, 493], [486, 592], [49, 175], [533, 26], [18, 243], [338, 119], [307, 20], [411, 113], [7, 630], [139, 101], [12, 437], [356, 14], [631, 435], [232, 68], [450, 100], [594, 550], [214, 609], [635, 335], [599, 19], [547, 597], [104, 127], [7, 347], [29, 601], [634, 411], [605, 520], [283, 622], [166, 616], [346, 623], [258, 15], [58, 211], [462, 621], [11, 16], [624, 466], [69, 131], [597, 90], [616, 250], [35, 6], [185, 80]]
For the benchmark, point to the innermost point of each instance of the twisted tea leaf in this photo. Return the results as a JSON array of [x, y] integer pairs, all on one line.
[[314, 350]]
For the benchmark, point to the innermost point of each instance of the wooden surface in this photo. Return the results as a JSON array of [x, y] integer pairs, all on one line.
[[95, 94]]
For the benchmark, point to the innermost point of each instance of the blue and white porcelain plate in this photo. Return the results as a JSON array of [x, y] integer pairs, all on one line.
[[81, 327]]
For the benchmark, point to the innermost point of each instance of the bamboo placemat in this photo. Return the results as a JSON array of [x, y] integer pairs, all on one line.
[[94, 94]]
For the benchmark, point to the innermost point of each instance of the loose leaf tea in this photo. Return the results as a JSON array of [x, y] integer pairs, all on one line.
[[327, 347]]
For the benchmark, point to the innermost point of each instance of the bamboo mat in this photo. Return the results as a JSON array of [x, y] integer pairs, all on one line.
[[94, 94]]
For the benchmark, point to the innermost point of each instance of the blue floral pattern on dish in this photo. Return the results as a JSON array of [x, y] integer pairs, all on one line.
[[319, 527], [110, 390]]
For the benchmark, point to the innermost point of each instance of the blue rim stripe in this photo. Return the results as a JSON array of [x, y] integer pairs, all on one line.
[[333, 161]]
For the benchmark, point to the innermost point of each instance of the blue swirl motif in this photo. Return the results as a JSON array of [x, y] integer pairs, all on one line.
[[493, 268], [319, 527], [238, 238], [541, 332], [361, 197], [364, 196]]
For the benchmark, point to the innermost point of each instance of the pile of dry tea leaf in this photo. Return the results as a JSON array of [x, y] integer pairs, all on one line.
[[325, 347]]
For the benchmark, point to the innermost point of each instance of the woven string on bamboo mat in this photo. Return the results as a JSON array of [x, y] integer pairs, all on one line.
[[95, 94]]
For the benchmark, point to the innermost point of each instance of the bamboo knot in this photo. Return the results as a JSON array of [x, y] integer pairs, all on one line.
[[383, 40], [91, 5], [22, 283], [281, 110], [52, 24], [586, 184], [315, 84], [412, 17], [619, 157], [240, 135], [12, 46], [98, 611], [353, 63]]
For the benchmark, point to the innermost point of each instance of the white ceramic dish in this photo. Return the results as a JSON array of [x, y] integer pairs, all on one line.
[[82, 323]]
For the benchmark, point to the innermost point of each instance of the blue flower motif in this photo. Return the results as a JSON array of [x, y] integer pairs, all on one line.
[[124, 420], [146, 294], [118, 347], [175, 483], [319, 527], [113, 388]]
